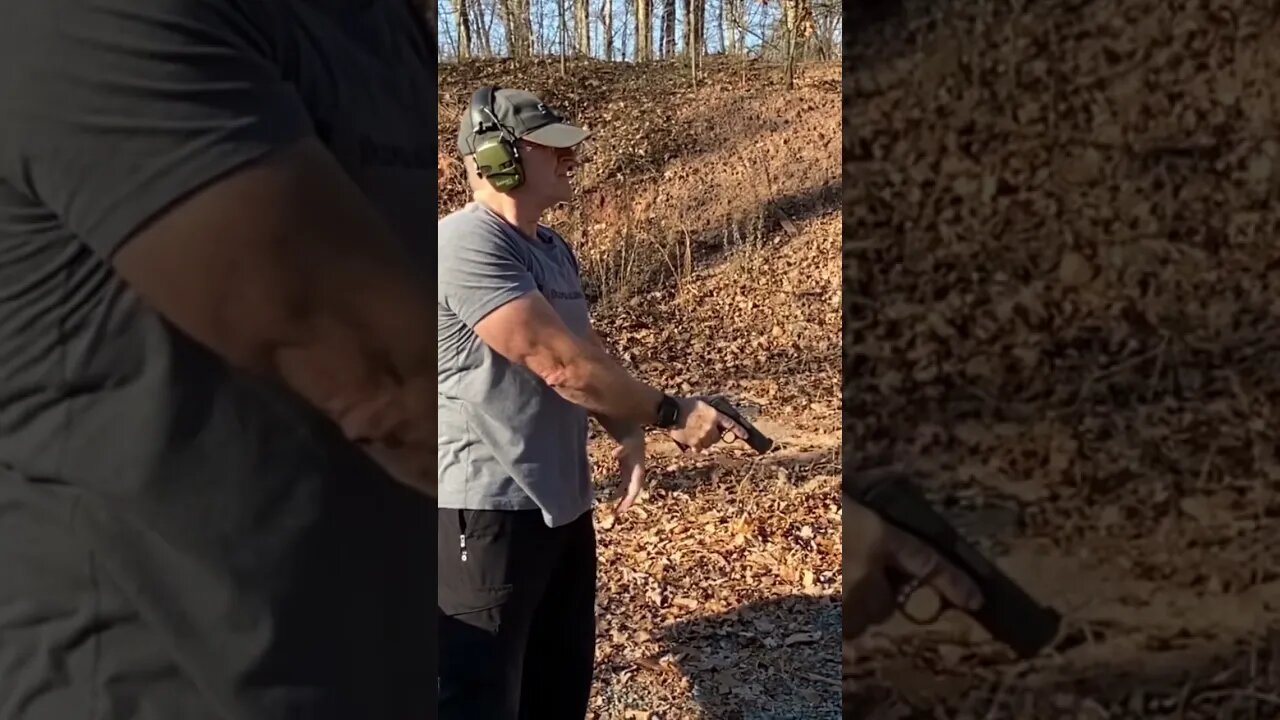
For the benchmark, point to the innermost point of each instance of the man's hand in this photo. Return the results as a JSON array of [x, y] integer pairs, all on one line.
[[700, 426], [870, 546], [631, 468]]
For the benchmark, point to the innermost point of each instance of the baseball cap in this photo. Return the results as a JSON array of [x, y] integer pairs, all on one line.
[[524, 115]]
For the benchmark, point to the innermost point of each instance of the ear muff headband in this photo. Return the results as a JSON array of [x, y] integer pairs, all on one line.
[[483, 118], [497, 159]]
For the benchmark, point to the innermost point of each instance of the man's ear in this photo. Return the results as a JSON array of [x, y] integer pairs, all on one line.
[[474, 180]]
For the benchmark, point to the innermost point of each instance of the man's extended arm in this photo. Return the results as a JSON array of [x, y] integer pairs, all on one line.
[[528, 332], [618, 429], [483, 281]]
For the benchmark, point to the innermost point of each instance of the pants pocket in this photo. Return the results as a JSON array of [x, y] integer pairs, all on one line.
[[475, 570]]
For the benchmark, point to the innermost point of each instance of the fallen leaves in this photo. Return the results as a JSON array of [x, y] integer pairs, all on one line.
[[1060, 250]]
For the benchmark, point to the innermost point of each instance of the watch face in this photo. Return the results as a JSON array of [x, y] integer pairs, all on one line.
[[668, 411]]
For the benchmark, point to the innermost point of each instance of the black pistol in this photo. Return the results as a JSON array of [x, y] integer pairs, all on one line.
[[1008, 613], [757, 440]]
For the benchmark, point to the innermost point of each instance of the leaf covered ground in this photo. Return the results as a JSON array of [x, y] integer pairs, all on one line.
[[1064, 309]]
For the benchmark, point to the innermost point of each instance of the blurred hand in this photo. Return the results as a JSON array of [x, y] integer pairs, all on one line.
[[700, 426], [631, 467], [870, 547]]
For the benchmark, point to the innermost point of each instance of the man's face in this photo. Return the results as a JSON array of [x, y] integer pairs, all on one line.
[[549, 172]]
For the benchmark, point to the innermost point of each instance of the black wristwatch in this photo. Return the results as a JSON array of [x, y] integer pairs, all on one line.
[[668, 412]]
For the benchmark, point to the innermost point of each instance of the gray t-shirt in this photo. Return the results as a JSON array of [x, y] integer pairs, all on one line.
[[179, 541], [507, 441]]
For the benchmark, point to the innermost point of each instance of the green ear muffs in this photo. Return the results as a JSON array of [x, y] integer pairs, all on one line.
[[494, 148]]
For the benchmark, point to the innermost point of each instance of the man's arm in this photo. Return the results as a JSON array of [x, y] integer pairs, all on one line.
[[617, 429], [527, 331], [482, 280], [284, 269], [165, 138]]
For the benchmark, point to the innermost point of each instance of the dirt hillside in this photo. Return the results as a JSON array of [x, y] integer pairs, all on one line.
[[708, 222], [1062, 241]]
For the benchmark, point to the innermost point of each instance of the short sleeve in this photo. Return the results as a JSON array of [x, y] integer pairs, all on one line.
[[564, 245], [116, 109], [478, 274]]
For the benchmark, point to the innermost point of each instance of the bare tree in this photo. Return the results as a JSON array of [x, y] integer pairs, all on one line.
[[827, 16], [733, 13], [694, 28], [668, 37], [564, 35], [582, 26], [644, 30], [698, 21], [450, 41], [483, 22], [798, 22], [719, 27], [788, 30], [606, 19], [517, 18], [464, 30]]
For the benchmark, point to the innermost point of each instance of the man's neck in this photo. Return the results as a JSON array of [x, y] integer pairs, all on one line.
[[523, 219]]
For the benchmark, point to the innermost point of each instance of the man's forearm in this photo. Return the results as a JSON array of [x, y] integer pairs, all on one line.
[[618, 429], [598, 383]]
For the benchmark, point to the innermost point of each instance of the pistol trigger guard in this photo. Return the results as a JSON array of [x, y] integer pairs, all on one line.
[[929, 620], [903, 596]]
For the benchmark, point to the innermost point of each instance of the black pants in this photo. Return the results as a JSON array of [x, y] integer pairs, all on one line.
[[517, 616]]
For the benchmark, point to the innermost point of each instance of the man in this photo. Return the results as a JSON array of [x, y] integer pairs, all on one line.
[[215, 427], [520, 372]]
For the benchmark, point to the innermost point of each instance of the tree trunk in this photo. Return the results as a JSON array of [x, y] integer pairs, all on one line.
[[519, 20], [669, 28], [701, 26], [564, 36], [464, 30], [688, 28], [607, 21], [540, 39], [720, 26], [738, 15], [484, 24], [791, 15], [639, 16], [515, 17], [582, 26]]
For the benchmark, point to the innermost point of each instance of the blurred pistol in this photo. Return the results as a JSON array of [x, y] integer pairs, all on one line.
[[757, 440], [1008, 613]]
